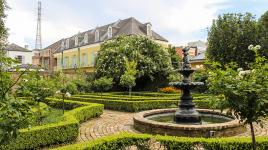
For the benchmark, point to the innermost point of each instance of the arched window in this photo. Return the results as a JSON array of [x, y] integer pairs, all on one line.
[[97, 35], [67, 43], [110, 32], [76, 41], [62, 44], [85, 38]]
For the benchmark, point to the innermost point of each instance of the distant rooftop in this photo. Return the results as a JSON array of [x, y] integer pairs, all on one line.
[[129, 26], [199, 57], [15, 47]]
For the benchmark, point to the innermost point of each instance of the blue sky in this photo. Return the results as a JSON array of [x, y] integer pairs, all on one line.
[[179, 21]]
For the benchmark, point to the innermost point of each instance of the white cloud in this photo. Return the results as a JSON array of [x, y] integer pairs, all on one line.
[[175, 17], [176, 20]]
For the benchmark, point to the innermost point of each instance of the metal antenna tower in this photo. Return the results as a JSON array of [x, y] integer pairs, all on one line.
[[38, 41]]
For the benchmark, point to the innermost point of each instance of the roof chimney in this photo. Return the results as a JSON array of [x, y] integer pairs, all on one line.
[[148, 29]]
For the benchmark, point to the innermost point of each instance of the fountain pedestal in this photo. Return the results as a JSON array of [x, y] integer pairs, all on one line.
[[186, 112]]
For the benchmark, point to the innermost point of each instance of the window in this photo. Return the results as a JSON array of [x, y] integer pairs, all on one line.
[[86, 38], [62, 44], [76, 40], [84, 61], [93, 57], [58, 62], [66, 62], [67, 43], [19, 58], [110, 32], [97, 36], [74, 61]]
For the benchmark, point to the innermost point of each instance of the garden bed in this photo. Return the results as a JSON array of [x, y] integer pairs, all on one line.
[[64, 130]]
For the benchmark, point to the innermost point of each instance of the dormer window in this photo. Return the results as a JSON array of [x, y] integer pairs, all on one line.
[[67, 43], [76, 40], [62, 44], [149, 29], [86, 38], [110, 32], [97, 35]]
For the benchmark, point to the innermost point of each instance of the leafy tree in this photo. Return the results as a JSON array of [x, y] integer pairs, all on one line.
[[245, 92], [37, 87], [228, 39], [14, 113], [175, 59], [153, 61], [102, 84], [129, 77], [264, 33]]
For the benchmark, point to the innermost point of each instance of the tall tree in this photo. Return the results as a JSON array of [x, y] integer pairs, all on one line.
[[264, 33], [229, 37], [14, 113], [244, 92], [129, 77]]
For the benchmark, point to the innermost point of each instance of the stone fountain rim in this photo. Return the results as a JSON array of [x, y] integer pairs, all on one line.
[[140, 119]]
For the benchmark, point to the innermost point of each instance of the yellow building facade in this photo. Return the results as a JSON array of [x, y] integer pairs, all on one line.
[[80, 51], [81, 57]]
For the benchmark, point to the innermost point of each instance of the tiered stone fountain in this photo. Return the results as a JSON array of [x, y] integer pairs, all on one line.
[[186, 113], [186, 120]]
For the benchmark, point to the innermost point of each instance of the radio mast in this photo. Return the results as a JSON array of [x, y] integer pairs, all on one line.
[[38, 40]]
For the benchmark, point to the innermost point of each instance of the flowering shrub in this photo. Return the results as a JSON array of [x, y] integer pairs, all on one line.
[[151, 58], [170, 89], [245, 92]]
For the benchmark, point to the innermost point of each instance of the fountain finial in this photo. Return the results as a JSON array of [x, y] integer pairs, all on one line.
[[186, 63]]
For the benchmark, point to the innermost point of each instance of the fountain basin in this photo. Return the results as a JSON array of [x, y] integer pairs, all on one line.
[[224, 126], [182, 85]]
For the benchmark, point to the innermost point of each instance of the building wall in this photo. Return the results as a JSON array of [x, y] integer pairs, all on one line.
[[82, 57], [27, 56], [197, 65]]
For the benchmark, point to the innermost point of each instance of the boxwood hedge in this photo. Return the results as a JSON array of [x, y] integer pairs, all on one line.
[[121, 102], [145, 141], [65, 130]]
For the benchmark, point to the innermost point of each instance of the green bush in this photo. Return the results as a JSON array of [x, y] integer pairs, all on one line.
[[71, 88], [102, 84], [123, 140], [65, 130]]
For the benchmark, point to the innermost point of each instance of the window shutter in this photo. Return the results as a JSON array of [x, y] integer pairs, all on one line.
[[92, 58], [86, 59], [63, 63], [81, 59], [22, 59]]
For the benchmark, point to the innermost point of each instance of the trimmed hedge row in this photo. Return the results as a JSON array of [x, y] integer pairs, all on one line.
[[141, 94], [65, 130], [138, 105], [145, 141]]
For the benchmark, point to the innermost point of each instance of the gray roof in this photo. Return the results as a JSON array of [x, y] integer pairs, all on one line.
[[15, 47], [199, 57], [129, 26]]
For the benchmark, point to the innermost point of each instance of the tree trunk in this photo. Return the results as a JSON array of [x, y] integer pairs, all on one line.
[[63, 97], [253, 136], [39, 114], [130, 90]]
